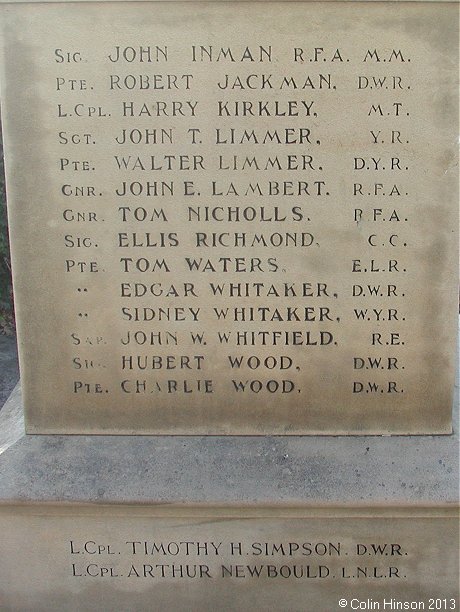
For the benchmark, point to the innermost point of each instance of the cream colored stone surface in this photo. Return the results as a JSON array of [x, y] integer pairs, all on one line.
[[333, 239], [136, 559]]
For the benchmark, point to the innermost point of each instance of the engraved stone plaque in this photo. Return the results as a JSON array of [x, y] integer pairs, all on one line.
[[233, 218], [273, 559]]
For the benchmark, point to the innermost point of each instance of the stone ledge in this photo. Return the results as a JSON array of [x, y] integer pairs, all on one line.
[[365, 470]]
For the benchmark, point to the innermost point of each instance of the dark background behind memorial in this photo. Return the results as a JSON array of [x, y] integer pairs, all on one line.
[[9, 370], [6, 295]]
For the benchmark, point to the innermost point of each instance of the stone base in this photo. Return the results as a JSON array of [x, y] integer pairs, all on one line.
[[136, 558], [209, 523]]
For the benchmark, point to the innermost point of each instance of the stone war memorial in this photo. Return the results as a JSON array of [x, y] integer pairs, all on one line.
[[234, 231]]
